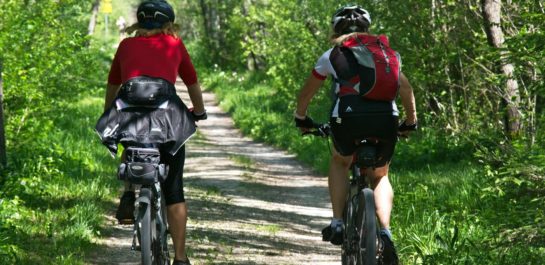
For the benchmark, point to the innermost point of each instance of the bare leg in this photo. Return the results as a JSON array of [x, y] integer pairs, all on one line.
[[177, 220], [384, 197], [338, 182]]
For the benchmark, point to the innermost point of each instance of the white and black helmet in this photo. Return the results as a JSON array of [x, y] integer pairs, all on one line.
[[152, 14], [350, 18]]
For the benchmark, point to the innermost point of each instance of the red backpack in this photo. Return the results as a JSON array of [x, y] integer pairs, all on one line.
[[371, 68]]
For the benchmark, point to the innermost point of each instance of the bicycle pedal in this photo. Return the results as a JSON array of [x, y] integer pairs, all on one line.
[[126, 222]]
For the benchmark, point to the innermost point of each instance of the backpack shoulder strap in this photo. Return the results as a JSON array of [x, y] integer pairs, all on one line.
[[384, 40]]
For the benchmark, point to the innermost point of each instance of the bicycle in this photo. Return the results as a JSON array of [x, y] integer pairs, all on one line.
[[362, 244], [143, 168]]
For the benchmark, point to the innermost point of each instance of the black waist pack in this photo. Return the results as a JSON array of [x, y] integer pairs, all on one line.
[[143, 166], [144, 90]]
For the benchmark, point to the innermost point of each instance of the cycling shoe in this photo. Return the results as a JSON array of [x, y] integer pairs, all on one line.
[[389, 255], [333, 234], [179, 262], [125, 210]]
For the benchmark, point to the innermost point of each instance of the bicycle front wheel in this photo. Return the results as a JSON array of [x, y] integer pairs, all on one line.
[[367, 228], [144, 226]]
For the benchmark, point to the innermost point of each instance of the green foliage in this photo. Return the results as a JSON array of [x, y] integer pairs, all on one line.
[[53, 192], [256, 54], [466, 218], [516, 175]]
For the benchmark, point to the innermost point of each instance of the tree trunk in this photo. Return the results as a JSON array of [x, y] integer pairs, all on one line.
[[94, 15], [492, 21], [213, 28], [252, 62], [207, 21], [3, 156]]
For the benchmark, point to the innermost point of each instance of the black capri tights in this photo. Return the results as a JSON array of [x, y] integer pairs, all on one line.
[[173, 187]]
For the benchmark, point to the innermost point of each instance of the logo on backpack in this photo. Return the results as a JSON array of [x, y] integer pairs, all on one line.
[[371, 68]]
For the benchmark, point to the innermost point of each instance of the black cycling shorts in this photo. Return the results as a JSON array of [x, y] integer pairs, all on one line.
[[351, 129], [173, 187]]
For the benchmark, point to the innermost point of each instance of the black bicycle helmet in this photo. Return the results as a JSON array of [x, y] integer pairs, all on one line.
[[153, 14], [350, 18]]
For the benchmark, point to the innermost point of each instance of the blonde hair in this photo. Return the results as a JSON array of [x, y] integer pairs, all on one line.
[[168, 28], [337, 39]]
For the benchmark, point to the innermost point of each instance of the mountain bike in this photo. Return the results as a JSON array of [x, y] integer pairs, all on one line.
[[362, 244], [143, 168]]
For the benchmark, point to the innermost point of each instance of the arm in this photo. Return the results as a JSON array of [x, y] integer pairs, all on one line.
[[111, 93], [195, 94], [407, 99], [309, 89], [187, 72]]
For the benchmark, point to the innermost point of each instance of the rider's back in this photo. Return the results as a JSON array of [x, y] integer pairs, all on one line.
[[160, 55]]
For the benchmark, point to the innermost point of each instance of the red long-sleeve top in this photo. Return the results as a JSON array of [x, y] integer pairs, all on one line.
[[160, 55]]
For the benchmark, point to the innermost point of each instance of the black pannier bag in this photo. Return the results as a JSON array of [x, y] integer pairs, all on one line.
[[143, 166], [144, 90]]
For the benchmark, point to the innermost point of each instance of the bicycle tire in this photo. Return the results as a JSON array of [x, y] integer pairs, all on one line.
[[367, 228], [145, 227], [159, 235], [348, 256]]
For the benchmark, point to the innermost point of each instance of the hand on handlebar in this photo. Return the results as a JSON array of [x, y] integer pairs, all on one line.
[[304, 125], [322, 130], [404, 129], [198, 117]]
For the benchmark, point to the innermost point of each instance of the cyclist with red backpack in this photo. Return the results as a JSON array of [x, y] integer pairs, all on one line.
[[367, 75]]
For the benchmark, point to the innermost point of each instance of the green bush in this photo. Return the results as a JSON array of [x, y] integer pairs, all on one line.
[[53, 191]]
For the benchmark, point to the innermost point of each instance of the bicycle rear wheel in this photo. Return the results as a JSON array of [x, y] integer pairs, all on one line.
[[144, 226], [367, 228], [348, 251]]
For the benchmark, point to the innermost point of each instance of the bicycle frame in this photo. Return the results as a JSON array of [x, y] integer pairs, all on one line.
[[361, 229], [144, 169]]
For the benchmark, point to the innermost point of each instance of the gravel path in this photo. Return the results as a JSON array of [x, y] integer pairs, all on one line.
[[248, 203]]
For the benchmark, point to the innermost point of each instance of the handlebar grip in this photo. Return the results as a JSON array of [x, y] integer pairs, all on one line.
[[322, 130], [403, 127]]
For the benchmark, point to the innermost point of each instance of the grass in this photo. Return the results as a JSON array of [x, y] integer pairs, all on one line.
[[57, 190], [243, 161], [271, 229], [434, 216]]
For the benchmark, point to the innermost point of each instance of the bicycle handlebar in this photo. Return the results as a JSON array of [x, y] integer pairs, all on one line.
[[324, 130]]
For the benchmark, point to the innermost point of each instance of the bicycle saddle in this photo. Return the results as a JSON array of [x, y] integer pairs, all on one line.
[[366, 153]]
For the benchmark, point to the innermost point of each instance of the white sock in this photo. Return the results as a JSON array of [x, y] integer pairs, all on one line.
[[386, 232], [336, 222]]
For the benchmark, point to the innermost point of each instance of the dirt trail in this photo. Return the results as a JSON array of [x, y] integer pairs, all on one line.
[[248, 203]]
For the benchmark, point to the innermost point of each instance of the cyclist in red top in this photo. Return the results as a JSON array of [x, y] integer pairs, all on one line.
[[354, 117], [157, 52]]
